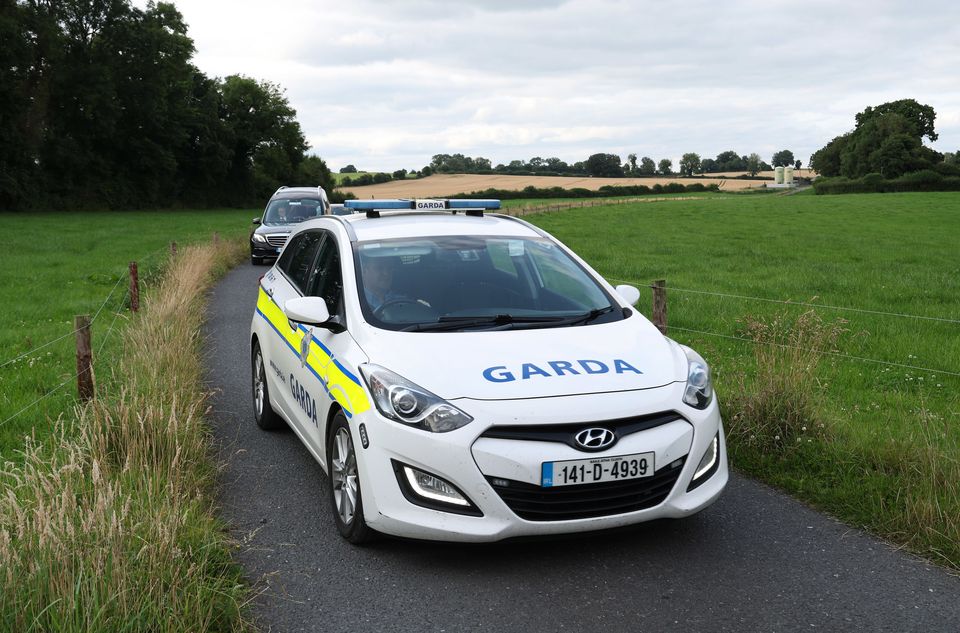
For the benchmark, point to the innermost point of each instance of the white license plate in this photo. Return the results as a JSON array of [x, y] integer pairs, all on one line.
[[596, 470]]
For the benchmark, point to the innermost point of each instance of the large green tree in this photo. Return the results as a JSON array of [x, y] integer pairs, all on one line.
[[783, 158], [689, 164], [887, 140], [17, 72], [268, 144], [604, 165], [919, 117], [647, 166]]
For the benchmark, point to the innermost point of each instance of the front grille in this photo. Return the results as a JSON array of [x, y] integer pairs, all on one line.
[[277, 240], [565, 503], [565, 432]]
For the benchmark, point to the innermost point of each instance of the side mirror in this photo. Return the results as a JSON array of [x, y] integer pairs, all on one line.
[[629, 293], [313, 311], [307, 310], [256, 221]]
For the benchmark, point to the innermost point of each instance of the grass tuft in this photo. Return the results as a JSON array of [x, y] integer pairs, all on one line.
[[107, 525], [776, 408]]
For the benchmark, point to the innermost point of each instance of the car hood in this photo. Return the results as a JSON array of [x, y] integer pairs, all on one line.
[[625, 355], [274, 229]]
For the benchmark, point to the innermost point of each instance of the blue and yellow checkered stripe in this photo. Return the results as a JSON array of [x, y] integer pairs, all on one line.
[[340, 384]]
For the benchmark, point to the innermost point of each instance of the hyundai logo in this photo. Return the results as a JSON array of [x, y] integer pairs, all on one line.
[[595, 439]]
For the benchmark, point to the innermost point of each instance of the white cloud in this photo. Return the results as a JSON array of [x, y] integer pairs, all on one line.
[[386, 84]]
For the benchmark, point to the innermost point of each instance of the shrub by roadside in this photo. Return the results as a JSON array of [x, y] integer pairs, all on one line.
[[109, 526]]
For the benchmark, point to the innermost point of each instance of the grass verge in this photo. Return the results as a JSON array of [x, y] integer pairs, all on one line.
[[107, 525]]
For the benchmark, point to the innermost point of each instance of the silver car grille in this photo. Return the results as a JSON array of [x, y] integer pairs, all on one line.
[[278, 239]]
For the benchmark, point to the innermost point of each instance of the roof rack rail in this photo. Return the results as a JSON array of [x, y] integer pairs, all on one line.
[[472, 207]]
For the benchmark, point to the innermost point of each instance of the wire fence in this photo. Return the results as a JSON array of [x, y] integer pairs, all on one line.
[[793, 303], [824, 352], [106, 338], [120, 279], [851, 357], [68, 334], [519, 211], [76, 375]]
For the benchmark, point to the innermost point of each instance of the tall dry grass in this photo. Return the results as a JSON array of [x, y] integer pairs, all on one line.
[[110, 527], [776, 407], [924, 512]]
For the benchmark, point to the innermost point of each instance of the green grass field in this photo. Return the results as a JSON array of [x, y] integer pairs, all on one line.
[[65, 264], [894, 429]]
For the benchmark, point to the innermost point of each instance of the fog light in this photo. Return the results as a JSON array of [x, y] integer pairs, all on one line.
[[429, 491], [708, 463], [433, 488]]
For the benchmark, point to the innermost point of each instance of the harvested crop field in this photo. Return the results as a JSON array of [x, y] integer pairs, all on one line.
[[798, 173], [449, 184]]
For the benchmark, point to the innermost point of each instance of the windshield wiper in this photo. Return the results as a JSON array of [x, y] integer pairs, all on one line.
[[506, 321], [499, 321], [583, 319]]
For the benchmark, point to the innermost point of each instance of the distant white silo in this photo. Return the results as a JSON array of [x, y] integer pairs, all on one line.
[[778, 176], [788, 175]]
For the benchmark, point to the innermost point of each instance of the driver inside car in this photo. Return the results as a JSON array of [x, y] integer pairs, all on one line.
[[378, 288]]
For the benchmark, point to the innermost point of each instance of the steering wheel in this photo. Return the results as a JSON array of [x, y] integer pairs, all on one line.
[[394, 302]]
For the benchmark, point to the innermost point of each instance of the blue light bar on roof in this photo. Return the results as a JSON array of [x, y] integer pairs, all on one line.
[[383, 205], [473, 204], [365, 205]]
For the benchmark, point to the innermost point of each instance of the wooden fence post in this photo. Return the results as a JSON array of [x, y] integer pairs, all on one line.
[[216, 237], [660, 304], [134, 288], [173, 248], [84, 358]]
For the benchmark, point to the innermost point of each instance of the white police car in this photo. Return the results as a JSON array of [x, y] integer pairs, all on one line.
[[464, 376]]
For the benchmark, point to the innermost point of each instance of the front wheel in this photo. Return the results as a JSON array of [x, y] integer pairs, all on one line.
[[344, 484], [267, 419], [256, 261]]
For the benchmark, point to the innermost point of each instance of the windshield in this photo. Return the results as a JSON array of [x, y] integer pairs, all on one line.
[[460, 283], [292, 210]]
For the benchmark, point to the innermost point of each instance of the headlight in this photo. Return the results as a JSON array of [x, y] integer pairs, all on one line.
[[259, 238], [699, 391], [399, 399]]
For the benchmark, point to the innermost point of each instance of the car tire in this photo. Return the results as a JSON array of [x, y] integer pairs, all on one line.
[[256, 261], [343, 484], [267, 419]]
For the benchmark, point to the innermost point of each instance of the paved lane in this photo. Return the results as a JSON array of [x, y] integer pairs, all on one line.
[[755, 561]]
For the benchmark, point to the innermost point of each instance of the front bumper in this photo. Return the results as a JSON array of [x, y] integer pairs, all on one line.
[[261, 249], [470, 462]]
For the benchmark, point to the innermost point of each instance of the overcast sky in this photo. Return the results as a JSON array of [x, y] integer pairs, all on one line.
[[386, 84]]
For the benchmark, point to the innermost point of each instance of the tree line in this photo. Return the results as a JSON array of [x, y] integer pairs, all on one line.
[[607, 165], [101, 106]]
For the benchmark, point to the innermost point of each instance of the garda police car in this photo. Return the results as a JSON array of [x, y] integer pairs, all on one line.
[[464, 376]]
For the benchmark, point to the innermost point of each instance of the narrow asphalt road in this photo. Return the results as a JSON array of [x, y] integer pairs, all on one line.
[[755, 561]]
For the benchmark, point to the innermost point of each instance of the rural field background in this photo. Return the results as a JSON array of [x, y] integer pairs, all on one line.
[[878, 448], [449, 184]]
